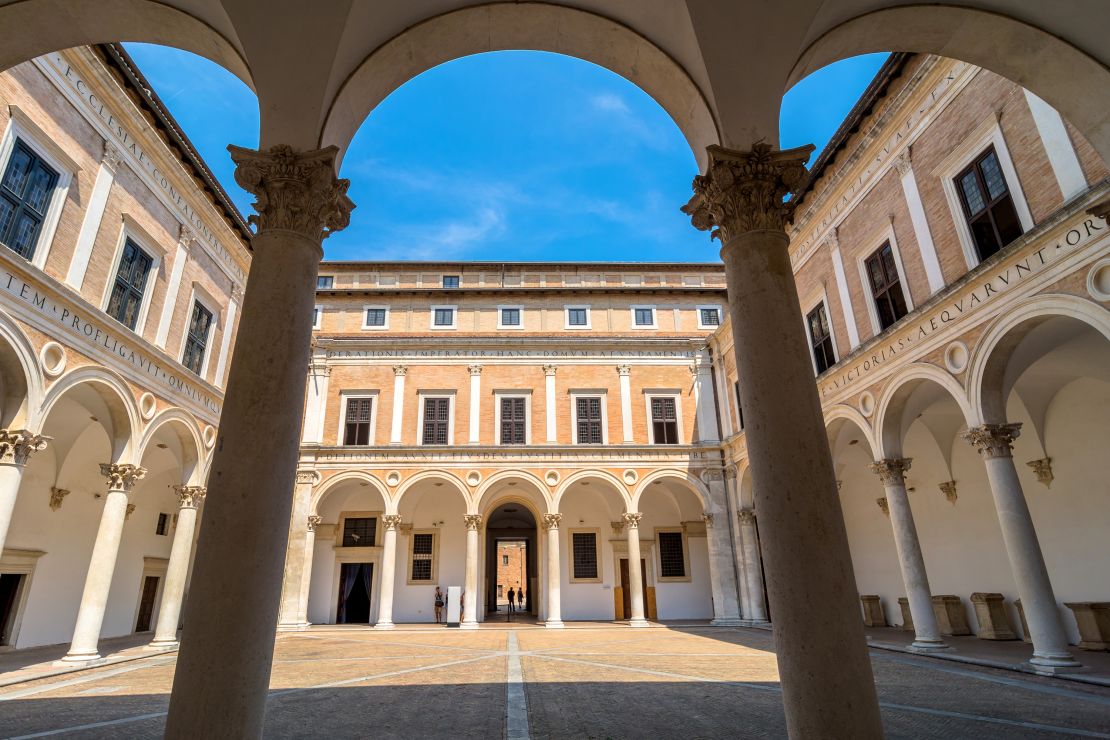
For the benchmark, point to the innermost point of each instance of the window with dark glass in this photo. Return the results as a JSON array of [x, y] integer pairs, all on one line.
[[24, 198], [820, 338], [444, 317], [672, 561], [512, 421], [987, 204], [375, 317], [163, 524], [196, 339], [504, 559], [356, 421], [664, 421], [584, 554], [450, 281], [359, 531], [645, 317], [437, 413], [886, 288], [710, 317], [587, 418], [131, 278], [510, 317], [325, 282], [422, 556], [739, 404], [577, 316]]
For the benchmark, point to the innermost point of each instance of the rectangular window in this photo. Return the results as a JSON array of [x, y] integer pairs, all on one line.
[[450, 281], [163, 524], [739, 405], [131, 277], [987, 203], [510, 317], [644, 316], [422, 547], [513, 421], [325, 282], [820, 338], [359, 531], [710, 317], [504, 559], [437, 416], [587, 418], [672, 561], [578, 316], [196, 340], [25, 194], [356, 421], [886, 288], [443, 317], [584, 554], [664, 421], [316, 315], [375, 317]]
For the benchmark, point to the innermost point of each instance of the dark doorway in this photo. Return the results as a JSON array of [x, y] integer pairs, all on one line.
[[10, 584], [511, 562], [354, 593], [146, 603], [626, 589]]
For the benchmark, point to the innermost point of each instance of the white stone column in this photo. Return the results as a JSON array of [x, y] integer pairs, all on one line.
[[753, 566], [94, 214], [173, 287], [475, 402], [390, 522], [892, 472], [399, 373], [732, 484], [554, 571], [705, 400], [1050, 642], [229, 329], [724, 400], [102, 564], [316, 401], [635, 572], [223, 667], [312, 522], [904, 167], [16, 448], [624, 371], [177, 571], [722, 574], [470, 589], [551, 412], [289, 616], [822, 653]]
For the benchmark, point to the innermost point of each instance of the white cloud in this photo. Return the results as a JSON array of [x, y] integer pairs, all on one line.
[[446, 240], [610, 102]]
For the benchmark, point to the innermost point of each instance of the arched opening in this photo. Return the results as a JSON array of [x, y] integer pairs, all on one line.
[[591, 546], [513, 553]]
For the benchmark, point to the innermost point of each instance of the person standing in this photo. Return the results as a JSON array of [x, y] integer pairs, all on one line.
[[439, 603], [512, 598]]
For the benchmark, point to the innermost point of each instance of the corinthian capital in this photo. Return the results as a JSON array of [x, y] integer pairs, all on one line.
[[17, 446], [472, 521], [294, 191], [746, 191], [632, 519], [190, 496], [551, 521], [391, 521], [122, 477], [892, 470], [993, 440]]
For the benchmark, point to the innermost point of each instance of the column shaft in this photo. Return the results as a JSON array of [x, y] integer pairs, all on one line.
[[399, 372], [470, 588], [625, 380], [753, 567], [722, 572], [554, 571], [389, 570], [177, 571], [306, 571], [289, 616], [635, 571], [550, 412]]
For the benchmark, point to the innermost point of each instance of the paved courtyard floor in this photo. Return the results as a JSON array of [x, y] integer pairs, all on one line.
[[588, 682]]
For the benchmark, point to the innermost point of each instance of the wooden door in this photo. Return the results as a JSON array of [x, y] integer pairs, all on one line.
[[626, 590], [146, 603]]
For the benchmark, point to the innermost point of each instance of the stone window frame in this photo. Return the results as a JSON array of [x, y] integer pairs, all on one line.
[[986, 134], [654, 325], [23, 127], [421, 395], [676, 394], [454, 308], [155, 568], [346, 395], [317, 317], [596, 532], [435, 557], [658, 559], [510, 327], [443, 280], [383, 327], [886, 235], [325, 277], [588, 326], [574, 394], [340, 525], [720, 316], [198, 294], [19, 561], [346, 555], [822, 298], [132, 230], [526, 394]]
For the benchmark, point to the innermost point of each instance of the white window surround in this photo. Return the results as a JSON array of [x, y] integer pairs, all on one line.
[[22, 127], [130, 229], [383, 327], [510, 327], [654, 317], [512, 393], [454, 318], [323, 277], [434, 577], [720, 316], [421, 395], [199, 295], [447, 275], [988, 133], [865, 282], [577, 327], [152, 568], [14, 561], [589, 393], [658, 559], [676, 394], [570, 554], [317, 316], [347, 395], [822, 299]]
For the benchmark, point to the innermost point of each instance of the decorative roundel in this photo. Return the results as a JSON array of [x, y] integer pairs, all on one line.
[[147, 406], [392, 478], [1098, 280], [209, 437], [867, 403], [53, 356], [473, 478], [630, 476], [956, 357], [551, 477]]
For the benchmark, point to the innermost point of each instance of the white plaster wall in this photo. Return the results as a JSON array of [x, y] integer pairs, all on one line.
[[587, 509], [692, 599], [416, 603]]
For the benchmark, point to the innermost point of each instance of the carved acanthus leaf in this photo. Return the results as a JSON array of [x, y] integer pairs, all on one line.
[[122, 477], [993, 440], [17, 446], [892, 470]]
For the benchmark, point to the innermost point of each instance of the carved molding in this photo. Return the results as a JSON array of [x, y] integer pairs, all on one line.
[[400, 370], [903, 163], [57, 495], [391, 521], [708, 519], [190, 496], [551, 521], [746, 516], [744, 191], [624, 370], [130, 510], [294, 191], [473, 522], [314, 522], [993, 440], [474, 369], [892, 470], [882, 502], [122, 477], [1101, 209], [306, 477], [112, 155], [632, 519], [1043, 470], [17, 446], [550, 369]]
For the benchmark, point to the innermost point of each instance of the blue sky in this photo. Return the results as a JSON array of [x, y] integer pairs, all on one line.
[[503, 156]]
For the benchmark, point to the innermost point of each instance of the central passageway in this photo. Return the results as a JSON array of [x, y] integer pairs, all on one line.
[[529, 682]]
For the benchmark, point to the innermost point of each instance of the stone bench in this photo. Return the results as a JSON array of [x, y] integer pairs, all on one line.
[[1093, 618], [951, 617], [990, 612]]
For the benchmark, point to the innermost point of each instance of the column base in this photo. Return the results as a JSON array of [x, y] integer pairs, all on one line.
[[929, 646], [469, 626], [290, 627], [384, 626], [638, 623], [554, 623], [1055, 665], [161, 646], [727, 622], [79, 659]]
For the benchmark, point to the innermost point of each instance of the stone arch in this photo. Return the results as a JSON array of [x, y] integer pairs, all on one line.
[[696, 486], [894, 411], [347, 476], [114, 392], [515, 26], [585, 475], [841, 415], [481, 505], [990, 376], [1070, 80], [21, 384], [185, 427], [394, 504]]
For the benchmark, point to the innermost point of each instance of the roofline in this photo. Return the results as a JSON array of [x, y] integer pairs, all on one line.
[[535, 265], [116, 56]]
